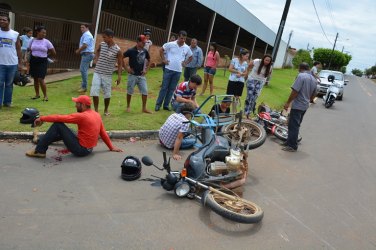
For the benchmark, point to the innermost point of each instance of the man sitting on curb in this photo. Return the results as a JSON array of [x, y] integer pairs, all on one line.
[[89, 124], [185, 92], [171, 134]]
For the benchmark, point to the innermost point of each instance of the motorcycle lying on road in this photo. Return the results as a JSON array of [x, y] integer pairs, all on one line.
[[224, 203], [332, 92], [216, 166], [274, 122]]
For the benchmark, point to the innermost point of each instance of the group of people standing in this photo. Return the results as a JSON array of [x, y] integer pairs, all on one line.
[[175, 55]]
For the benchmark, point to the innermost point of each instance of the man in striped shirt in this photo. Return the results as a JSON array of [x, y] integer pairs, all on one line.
[[108, 53], [185, 92]]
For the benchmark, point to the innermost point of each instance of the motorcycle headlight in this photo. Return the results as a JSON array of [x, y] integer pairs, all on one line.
[[182, 188]]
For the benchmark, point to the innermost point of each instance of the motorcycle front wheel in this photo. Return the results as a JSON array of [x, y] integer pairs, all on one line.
[[241, 210], [255, 136], [282, 133]]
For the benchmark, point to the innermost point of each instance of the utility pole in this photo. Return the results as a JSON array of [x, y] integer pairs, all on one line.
[[343, 47], [331, 54], [287, 50], [308, 46], [280, 30]]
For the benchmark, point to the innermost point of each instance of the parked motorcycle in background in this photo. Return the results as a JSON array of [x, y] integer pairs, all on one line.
[[332, 92]]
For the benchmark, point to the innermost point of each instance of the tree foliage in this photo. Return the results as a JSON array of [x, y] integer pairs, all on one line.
[[357, 72], [302, 56], [370, 72], [337, 59]]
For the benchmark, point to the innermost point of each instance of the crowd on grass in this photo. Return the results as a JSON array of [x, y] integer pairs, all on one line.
[[30, 56]]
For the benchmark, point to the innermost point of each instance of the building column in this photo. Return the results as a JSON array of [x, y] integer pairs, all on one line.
[[210, 31], [266, 48], [97, 8], [253, 48], [170, 20], [235, 42]]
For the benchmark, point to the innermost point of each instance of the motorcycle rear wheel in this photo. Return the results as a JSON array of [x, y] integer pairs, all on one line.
[[257, 133], [241, 211], [282, 134]]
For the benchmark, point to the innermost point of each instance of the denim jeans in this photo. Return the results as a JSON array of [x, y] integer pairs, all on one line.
[[59, 131], [188, 72], [86, 58], [7, 73], [295, 119], [187, 142], [170, 80]]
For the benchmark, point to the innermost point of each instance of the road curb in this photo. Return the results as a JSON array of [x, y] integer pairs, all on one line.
[[116, 134]]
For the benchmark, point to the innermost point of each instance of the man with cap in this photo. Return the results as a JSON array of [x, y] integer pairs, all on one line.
[[89, 124], [137, 67]]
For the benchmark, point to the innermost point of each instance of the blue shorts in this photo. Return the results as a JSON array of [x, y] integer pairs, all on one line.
[[209, 70], [140, 81]]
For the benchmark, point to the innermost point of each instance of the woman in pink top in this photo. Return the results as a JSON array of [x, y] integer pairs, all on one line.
[[211, 63], [41, 49]]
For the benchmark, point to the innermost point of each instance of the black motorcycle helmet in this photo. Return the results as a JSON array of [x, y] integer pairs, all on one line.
[[29, 115], [130, 168], [331, 78]]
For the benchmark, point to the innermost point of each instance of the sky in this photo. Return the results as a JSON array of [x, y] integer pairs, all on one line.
[[355, 22]]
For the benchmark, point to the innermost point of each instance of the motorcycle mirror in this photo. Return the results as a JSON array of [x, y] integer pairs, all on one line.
[[147, 161]]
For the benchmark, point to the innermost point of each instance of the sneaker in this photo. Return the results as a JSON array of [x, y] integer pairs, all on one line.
[[33, 153], [288, 149], [283, 143], [166, 108], [81, 90], [157, 108]]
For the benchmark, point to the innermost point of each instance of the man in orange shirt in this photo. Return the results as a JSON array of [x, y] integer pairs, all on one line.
[[89, 124]]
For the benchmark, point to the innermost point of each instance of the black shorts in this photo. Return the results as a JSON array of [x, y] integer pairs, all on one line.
[[235, 88]]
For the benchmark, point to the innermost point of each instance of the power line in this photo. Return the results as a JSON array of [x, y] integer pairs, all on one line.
[[314, 6]]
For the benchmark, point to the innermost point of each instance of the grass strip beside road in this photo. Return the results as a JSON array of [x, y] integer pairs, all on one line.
[[60, 102]]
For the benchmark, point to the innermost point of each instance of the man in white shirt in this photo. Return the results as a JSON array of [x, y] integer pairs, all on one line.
[[10, 58], [179, 55]]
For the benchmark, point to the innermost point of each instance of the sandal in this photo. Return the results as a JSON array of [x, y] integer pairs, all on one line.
[[107, 113], [45, 99], [35, 97]]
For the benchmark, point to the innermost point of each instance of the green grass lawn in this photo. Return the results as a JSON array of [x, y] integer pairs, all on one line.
[[60, 94]]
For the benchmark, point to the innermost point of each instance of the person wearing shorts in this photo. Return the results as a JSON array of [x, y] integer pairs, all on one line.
[[107, 54], [211, 64], [239, 70], [137, 67]]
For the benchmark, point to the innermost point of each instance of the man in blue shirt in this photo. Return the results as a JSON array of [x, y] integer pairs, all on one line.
[[302, 92], [197, 58], [86, 50]]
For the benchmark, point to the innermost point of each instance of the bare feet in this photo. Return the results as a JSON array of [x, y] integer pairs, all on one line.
[[147, 111], [128, 109]]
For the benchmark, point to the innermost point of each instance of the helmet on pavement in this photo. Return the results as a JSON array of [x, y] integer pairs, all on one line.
[[131, 168], [29, 115]]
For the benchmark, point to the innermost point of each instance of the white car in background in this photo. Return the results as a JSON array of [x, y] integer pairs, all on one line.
[[323, 86]]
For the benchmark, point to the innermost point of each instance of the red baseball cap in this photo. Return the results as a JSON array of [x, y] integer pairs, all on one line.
[[84, 99], [141, 38]]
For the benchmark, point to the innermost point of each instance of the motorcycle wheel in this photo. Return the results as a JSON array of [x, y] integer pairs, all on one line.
[[257, 133], [282, 134], [241, 211]]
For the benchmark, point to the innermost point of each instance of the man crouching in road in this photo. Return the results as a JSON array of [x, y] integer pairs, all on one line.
[[172, 132], [89, 124], [303, 91]]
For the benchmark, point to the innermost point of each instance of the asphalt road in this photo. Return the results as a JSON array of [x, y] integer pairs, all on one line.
[[321, 197]]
